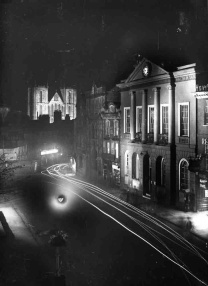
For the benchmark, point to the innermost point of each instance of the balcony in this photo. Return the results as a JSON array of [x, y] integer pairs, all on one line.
[[138, 137], [163, 139], [183, 140], [150, 138]]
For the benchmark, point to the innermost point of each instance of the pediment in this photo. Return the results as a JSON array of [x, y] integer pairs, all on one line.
[[56, 98], [146, 70]]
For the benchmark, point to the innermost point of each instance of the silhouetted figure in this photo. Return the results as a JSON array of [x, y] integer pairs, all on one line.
[[188, 227], [188, 224]]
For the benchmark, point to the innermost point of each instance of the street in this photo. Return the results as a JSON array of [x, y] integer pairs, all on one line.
[[110, 242]]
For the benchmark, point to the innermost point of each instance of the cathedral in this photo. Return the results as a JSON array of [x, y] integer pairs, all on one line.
[[43, 100]]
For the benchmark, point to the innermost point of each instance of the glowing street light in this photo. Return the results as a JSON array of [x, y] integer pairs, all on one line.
[[61, 199]]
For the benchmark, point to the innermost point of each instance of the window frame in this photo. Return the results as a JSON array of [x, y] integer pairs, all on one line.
[[112, 148], [188, 174], [161, 117], [148, 124], [125, 120], [179, 118], [108, 147], [107, 127], [139, 107]]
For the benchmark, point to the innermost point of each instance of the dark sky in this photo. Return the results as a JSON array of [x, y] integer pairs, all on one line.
[[79, 42]]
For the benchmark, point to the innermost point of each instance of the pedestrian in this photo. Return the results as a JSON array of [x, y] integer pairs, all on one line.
[[188, 224], [188, 227]]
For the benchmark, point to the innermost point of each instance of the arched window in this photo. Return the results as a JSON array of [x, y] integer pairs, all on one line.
[[135, 166], [160, 171], [107, 128], [183, 175], [56, 97]]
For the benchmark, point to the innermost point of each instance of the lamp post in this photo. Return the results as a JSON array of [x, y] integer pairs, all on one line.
[[58, 239]]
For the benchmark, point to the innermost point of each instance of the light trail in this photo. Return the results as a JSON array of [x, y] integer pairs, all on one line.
[[124, 204], [55, 172], [146, 216]]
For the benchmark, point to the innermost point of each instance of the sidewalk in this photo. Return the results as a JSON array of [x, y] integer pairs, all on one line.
[[17, 225], [22, 257]]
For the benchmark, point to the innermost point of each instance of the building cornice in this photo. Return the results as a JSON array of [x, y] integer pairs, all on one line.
[[141, 84]]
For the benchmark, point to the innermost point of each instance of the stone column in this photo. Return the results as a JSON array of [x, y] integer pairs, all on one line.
[[34, 113], [28, 102], [133, 115], [156, 113], [144, 115], [171, 117]]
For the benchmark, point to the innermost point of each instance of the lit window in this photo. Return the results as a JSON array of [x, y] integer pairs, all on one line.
[[107, 128], [139, 119], [206, 112], [112, 148], [183, 119], [116, 128], [184, 175], [164, 119], [116, 150], [108, 147], [126, 119], [150, 119]]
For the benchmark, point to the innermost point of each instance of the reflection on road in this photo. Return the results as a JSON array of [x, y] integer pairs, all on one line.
[[152, 231]]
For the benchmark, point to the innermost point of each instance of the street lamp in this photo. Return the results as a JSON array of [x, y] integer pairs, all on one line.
[[61, 199]]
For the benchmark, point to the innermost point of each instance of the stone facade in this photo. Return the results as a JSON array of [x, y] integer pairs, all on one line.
[[158, 133]]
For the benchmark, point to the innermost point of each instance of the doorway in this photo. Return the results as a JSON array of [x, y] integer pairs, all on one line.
[[146, 175]]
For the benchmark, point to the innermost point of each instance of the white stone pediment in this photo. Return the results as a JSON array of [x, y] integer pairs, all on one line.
[[138, 73], [56, 99]]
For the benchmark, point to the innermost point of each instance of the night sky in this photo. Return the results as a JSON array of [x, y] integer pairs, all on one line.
[[84, 41]]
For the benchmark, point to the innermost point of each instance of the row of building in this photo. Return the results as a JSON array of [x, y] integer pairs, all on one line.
[[148, 134]]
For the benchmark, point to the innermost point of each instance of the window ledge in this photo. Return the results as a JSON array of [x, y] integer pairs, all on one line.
[[205, 125]]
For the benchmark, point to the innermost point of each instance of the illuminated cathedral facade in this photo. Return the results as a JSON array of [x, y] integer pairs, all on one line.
[[45, 101]]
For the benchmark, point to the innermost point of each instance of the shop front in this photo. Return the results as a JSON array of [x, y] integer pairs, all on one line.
[[202, 191], [200, 201]]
